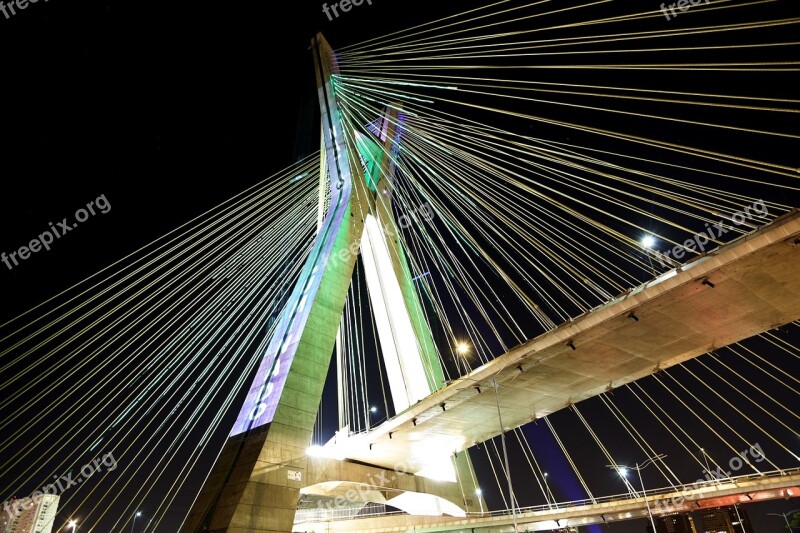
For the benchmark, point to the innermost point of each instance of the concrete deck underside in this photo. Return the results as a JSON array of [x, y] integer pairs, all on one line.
[[756, 288]]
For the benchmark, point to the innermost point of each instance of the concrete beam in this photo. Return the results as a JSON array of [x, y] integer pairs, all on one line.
[[756, 287]]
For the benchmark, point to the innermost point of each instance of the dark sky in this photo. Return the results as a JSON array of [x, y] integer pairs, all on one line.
[[167, 109]]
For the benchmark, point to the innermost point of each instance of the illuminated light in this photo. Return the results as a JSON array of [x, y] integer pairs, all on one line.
[[462, 348], [405, 371], [623, 472], [439, 468], [277, 366], [440, 471], [138, 513], [270, 386], [314, 451], [415, 503], [373, 409], [478, 492], [648, 241]]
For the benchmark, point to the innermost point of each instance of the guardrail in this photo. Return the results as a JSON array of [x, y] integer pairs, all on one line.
[[379, 510]]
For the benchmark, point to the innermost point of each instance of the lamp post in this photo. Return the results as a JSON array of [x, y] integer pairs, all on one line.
[[375, 416], [548, 492], [511, 495], [135, 516], [648, 242], [462, 349], [639, 467], [479, 494], [708, 468]]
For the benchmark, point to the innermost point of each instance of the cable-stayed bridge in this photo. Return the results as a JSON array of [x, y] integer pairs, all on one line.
[[478, 253]]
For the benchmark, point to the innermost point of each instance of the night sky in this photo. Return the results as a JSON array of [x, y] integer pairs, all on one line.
[[167, 109]]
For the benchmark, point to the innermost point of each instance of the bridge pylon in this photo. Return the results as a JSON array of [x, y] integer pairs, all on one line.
[[256, 482]]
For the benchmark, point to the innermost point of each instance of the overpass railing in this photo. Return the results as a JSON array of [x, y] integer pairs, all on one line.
[[379, 510]]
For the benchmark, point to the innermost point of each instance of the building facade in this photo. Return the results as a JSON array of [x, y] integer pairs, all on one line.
[[36, 518], [673, 523], [725, 520]]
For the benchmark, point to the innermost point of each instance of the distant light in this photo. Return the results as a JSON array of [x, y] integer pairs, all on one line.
[[478, 491], [138, 513], [623, 472], [648, 241], [545, 474], [72, 523], [462, 348], [314, 451], [373, 409]]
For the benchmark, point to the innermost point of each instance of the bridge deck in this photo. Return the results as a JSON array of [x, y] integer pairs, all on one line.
[[742, 489], [756, 288]]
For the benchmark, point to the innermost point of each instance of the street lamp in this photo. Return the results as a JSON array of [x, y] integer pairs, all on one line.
[[372, 411], [462, 349], [623, 471], [708, 468], [785, 517], [648, 242], [479, 494], [73, 524], [548, 491], [135, 516]]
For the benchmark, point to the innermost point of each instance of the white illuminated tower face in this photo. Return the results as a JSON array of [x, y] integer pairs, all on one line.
[[401, 351]]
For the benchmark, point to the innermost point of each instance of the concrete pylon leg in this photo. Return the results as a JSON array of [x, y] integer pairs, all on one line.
[[255, 484]]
